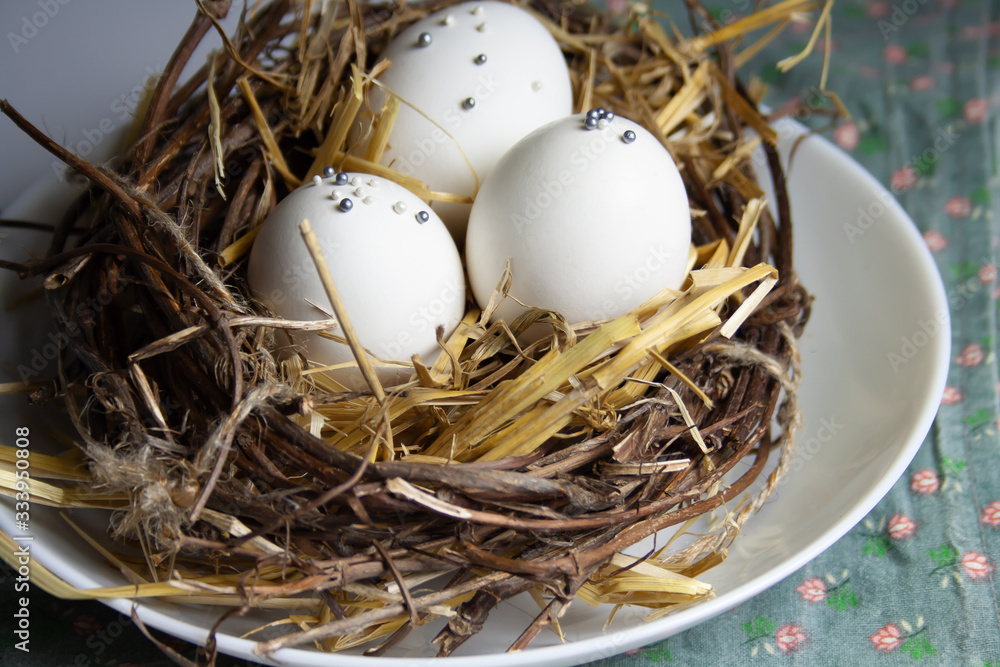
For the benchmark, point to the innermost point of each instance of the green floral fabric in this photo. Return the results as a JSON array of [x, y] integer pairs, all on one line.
[[915, 582]]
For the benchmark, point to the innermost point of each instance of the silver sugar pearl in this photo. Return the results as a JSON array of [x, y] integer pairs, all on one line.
[[346, 205], [480, 59], [590, 123], [468, 103], [628, 136], [423, 216], [610, 116], [594, 113], [424, 39], [329, 172], [341, 178]]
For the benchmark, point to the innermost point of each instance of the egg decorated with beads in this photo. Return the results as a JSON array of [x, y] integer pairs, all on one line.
[[393, 262], [473, 78], [593, 215]]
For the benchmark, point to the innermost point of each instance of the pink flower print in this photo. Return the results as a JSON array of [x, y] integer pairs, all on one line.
[[975, 110], [958, 207], [877, 9], [951, 396], [814, 590], [887, 638], [903, 179], [922, 82], [976, 565], [869, 72], [847, 136], [790, 637], [895, 54], [973, 32], [944, 67], [991, 515], [987, 273], [618, 6], [935, 240], [971, 355], [925, 482], [901, 527]]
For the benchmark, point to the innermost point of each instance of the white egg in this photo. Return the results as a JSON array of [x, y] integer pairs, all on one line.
[[485, 73], [394, 264], [594, 221]]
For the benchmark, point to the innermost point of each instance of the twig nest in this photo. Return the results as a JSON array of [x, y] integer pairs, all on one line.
[[592, 213], [395, 265], [485, 73]]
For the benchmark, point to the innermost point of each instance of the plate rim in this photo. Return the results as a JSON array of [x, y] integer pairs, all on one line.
[[619, 641]]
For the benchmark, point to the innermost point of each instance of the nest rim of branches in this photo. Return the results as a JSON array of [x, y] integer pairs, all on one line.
[[220, 453]]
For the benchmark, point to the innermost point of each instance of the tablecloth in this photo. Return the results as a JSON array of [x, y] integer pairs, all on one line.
[[915, 581]]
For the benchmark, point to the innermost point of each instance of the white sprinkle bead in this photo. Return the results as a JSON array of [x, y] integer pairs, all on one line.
[[481, 27], [373, 183], [356, 181], [337, 194], [602, 123], [360, 192], [317, 180], [478, 11], [448, 20], [399, 207], [536, 86], [368, 200]]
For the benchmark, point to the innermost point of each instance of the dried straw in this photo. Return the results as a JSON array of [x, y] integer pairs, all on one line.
[[243, 480]]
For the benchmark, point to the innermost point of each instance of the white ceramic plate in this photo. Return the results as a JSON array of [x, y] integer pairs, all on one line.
[[865, 416]]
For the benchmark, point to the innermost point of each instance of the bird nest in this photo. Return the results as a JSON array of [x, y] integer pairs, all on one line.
[[508, 464]]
